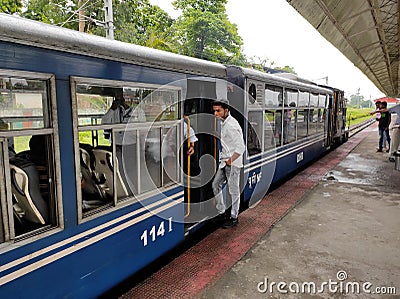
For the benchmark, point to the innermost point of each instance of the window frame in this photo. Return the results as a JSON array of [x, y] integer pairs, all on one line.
[[273, 108], [116, 204], [51, 110], [253, 107]]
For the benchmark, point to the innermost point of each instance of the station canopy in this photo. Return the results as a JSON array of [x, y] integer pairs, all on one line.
[[365, 31]]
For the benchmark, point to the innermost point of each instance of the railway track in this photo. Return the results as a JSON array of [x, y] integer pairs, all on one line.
[[354, 129]]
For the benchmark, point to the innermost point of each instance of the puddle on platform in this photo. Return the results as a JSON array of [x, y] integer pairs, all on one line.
[[356, 170]]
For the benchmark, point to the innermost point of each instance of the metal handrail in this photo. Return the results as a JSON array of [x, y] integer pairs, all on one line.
[[188, 168]]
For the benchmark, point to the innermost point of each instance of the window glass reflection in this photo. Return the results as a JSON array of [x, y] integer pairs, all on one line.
[[23, 103], [302, 123], [254, 132]]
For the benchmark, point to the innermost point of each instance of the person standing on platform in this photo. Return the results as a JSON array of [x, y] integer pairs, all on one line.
[[230, 164], [394, 146], [377, 117], [383, 126], [377, 108]]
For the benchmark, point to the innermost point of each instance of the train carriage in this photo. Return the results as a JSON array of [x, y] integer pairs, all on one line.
[[86, 203], [288, 124], [89, 199]]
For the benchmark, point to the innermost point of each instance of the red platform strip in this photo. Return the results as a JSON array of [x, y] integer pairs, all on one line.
[[204, 263]]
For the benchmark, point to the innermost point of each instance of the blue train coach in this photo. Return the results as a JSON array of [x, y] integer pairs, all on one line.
[[93, 135], [86, 203]]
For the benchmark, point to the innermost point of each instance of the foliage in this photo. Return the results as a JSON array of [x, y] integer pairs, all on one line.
[[286, 68], [141, 23], [10, 6], [358, 115], [358, 101], [204, 31], [263, 64], [258, 63], [58, 12], [134, 21]]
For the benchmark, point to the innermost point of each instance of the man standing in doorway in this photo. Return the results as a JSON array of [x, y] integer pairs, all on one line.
[[231, 162]]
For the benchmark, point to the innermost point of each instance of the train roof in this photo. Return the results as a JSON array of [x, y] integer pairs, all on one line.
[[276, 79], [37, 34]]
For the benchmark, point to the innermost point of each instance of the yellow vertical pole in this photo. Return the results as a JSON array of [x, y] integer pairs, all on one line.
[[188, 168], [215, 145]]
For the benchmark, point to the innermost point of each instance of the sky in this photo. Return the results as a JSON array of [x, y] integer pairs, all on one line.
[[274, 30]]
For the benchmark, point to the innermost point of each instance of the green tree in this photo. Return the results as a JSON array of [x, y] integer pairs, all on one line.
[[62, 13], [286, 68], [259, 63], [135, 21], [204, 31], [356, 99], [141, 23], [10, 6]]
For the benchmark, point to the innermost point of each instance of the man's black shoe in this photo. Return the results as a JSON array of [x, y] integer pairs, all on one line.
[[220, 218], [231, 222]]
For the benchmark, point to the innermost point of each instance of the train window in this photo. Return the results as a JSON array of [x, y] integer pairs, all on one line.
[[314, 100], [289, 117], [252, 93], [273, 96], [29, 157], [322, 104], [320, 120], [313, 123], [322, 101], [269, 129], [302, 117], [168, 154], [255, 94], [254, 132], [304, 98], [289, 125], [291, 98], [128, 141]]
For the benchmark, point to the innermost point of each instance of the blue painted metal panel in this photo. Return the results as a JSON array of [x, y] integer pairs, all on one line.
[[91, 267], [96, 267], [260, 178], [64, 65]]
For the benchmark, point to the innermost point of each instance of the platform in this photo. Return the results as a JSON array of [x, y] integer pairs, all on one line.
[[338, 221]]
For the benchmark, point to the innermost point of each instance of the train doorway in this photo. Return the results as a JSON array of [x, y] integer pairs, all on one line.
[[199, 203]]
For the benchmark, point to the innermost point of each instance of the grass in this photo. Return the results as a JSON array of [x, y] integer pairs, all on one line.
[[21, 143], [358, 115]]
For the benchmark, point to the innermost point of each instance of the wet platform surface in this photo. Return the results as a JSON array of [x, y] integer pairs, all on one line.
[[335, 225]]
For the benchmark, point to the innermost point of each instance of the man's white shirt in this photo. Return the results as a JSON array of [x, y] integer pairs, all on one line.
[[231, 142]]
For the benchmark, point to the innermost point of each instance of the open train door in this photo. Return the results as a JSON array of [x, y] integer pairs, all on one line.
[[337, 118], [329, 120], [199, 169]]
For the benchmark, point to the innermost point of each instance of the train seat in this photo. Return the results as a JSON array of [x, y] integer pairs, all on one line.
[[30, 204], [93, 195], [104, 167], [87, 156]]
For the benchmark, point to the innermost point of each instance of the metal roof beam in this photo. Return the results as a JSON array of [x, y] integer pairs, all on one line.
[[378, 21], [363, 31], [353, 46], [355, 15]]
